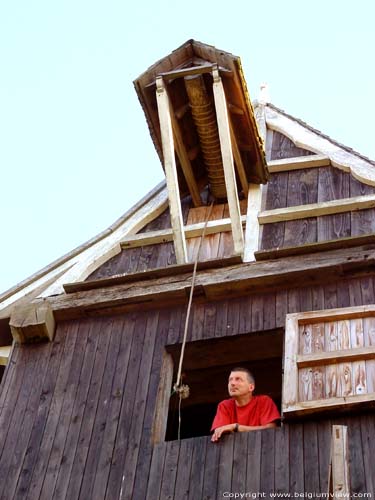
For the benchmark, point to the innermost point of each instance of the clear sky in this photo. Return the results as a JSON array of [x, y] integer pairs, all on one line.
[[75, 152]]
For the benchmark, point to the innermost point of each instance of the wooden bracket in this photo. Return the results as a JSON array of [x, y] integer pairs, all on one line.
[[33, 322]]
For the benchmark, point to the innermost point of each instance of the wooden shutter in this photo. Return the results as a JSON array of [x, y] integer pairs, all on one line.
[[329, 359]]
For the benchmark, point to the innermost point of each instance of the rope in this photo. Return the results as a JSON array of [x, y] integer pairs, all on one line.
[[180, 389]]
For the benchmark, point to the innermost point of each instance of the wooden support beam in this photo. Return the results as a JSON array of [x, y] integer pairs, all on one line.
[[287, 164], [228, 165], [328, 404], [325, 358], [318, 246], [162, 401], [317, 209], [218, 283], [339, 480], [5, 351], [186, 166], [32, 322], [171, 171], [166, 235], [238, 160], [254, 200]]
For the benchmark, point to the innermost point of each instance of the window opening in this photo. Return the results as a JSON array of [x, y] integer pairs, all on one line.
[[207, 364]]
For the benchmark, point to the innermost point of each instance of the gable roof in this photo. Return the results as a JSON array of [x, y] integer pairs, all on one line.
[[82, 261]]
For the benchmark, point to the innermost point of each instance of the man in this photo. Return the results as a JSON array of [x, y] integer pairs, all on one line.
[[243, 412]]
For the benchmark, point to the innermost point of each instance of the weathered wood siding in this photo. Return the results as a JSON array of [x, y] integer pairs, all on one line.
[[76, 414], [292, 459], [305, 186]]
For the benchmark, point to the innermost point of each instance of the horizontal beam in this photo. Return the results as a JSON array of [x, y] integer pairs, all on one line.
[[166, 235], [333, 357], [217, 284], [297, 163], [318, 246], [317, 209], [318, 405]]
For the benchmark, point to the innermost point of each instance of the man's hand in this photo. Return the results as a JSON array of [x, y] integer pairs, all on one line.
[[222, 430]]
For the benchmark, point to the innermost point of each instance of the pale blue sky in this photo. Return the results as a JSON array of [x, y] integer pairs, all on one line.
[[75, 152]]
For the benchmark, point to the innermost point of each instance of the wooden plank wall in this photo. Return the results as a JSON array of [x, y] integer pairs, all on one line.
[[301, 187], [76, 414]]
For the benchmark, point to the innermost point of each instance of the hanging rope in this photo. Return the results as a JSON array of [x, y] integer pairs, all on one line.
[[182, 389]]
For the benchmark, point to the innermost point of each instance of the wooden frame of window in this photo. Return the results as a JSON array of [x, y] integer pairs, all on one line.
[[329, 359]]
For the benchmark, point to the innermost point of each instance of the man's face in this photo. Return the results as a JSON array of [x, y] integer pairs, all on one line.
[[239, 385]]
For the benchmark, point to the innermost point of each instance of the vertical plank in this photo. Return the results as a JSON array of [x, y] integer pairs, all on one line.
[[46, 357], [171, 171], [239, 462], [269, 311], [252, 224], [368, 447], [48, 412], [311, 458], [170, 469], [257, 313], [221, 326], [103, 334], [330, 296], [139, 409], [183, 470], [367, 289], [317, 298], [228, 164], [358, 367], [324, 444], [369, 340], [225, 465], [267, 467], [32, 479], [197, 468], [211, 471], [197, 322], [72, 431], [273, 234], [210, 311], [344, 369], [296, 468], [356, 465], [332, 388], [70, 391], [156, 472], [115, 351], [318, 372], [355, 292], [175, 326], [340, 464], [245, 315], [362, 221], [156, 376], [282, 459], [254, 447], [333, 185], [281, 308], [302, 190], [305, 375], [126, 393]]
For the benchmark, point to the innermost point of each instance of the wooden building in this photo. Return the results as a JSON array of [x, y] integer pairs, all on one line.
[[284, 284]]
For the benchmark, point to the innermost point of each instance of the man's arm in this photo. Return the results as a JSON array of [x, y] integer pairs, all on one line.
[[225, 429]]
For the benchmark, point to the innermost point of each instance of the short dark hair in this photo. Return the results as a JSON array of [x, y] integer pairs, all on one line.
[[250, 376]]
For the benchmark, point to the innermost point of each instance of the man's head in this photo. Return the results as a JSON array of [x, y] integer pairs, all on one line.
[[241, 383]]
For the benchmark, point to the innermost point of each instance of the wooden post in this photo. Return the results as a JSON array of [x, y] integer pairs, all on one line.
[[252, 225], [228, 164], [339, 482], [162, 401], [171, 171]]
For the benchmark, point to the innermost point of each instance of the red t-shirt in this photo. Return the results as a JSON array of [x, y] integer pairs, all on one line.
[[260, 410]]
